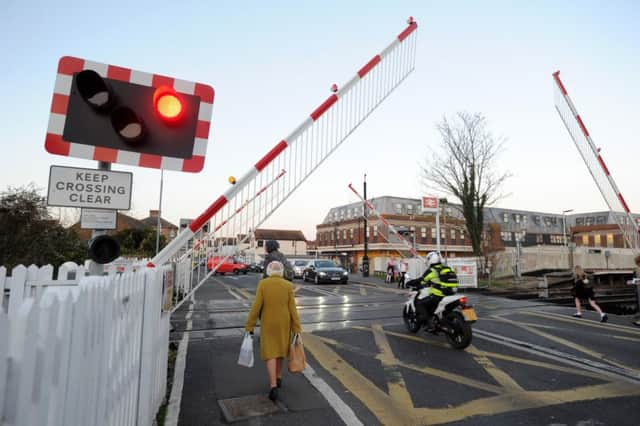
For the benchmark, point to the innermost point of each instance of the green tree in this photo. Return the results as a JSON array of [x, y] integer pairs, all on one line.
[[28, 234], [139, 242], [464, 166]]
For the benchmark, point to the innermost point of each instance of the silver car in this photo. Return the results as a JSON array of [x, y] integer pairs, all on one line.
[[298, 267]]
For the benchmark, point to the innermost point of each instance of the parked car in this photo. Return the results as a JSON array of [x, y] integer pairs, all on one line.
[[228, 266], [298, 267], [256, 267], [320, 271]]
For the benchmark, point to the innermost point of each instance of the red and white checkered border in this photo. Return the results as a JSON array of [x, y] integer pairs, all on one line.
[[54, 144]]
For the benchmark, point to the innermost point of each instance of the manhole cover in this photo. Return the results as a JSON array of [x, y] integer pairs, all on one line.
[[244, 407]]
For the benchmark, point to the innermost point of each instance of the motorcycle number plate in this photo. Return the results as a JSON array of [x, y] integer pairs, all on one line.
[[469, 314]]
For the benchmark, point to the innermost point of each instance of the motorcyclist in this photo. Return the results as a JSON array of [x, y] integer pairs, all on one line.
[[441, 280], [271, 247]]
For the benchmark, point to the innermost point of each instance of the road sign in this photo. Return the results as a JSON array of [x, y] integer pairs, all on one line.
[[98, 219], [429, 204], [97, 189], [117, 115]]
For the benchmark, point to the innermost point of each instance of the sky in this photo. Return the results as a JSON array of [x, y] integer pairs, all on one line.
[[272, 63]]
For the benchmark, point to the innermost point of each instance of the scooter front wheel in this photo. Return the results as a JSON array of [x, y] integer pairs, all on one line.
[[410, 321]]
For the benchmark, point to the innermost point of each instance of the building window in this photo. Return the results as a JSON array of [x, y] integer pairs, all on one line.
[[517, 218], [580, 221], [610, 240], [506, 236], [368, 233], [597, 241], [585, 240], [557, 239], [462, 236], [344, 234], [260, 243], [410, 208], [423, 232], [351, 233], [505, 217], [375, 231], [398, 207], [601, 220], [453, 235], [539, 239]]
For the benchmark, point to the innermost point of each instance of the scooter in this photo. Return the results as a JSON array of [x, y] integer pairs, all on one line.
[[453, 317]]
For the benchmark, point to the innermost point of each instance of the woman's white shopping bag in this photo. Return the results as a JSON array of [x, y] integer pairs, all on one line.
[[246, 351]]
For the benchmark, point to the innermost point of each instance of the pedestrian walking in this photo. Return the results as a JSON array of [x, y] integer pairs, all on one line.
[[636, 280], [403, 274], [583, 291], [389, 278], [273, 254], [275, 307]]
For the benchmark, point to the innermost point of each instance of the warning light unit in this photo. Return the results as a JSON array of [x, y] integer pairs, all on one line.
[[118, 115]]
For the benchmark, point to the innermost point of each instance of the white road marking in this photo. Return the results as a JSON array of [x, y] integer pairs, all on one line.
[[175, 399], [342, 409]]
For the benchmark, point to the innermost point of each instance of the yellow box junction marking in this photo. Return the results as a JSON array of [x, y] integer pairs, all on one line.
[[397, 408]]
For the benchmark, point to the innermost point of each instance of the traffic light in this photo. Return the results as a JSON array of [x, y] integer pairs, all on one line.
[[104, 249], [117, 115]]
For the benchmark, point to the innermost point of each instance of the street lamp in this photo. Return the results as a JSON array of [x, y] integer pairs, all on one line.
[[564, 226]]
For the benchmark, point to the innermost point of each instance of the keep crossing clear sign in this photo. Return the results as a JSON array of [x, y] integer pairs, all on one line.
[[97, 189]]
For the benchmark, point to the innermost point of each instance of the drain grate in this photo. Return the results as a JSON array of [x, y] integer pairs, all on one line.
[[245, 407]]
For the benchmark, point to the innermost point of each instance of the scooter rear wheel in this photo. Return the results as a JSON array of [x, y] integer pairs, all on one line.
[[461, 334]]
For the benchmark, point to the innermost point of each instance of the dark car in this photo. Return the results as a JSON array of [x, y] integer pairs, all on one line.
[[256, 267], [325, 271]]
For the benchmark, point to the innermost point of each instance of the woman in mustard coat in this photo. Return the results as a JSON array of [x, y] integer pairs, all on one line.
[[275, 305]]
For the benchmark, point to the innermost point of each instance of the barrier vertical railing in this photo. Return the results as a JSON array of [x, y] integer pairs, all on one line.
[[595, 163], [302, 151]]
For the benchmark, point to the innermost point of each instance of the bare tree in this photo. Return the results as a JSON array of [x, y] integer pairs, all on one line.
[[464, 166]]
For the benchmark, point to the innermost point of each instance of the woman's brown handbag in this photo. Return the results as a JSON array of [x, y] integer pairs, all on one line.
[[297, 360]]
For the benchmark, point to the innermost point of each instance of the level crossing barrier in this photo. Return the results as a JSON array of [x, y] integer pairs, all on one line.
[[253, 198], [595, 164]]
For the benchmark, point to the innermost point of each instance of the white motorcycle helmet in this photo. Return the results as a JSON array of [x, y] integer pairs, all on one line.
[[433, 258]]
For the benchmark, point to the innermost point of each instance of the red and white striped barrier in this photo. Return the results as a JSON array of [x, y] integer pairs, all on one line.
[[175, 245], [588, 150]]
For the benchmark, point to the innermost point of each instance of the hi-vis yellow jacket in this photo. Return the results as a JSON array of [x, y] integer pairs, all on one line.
[[441, 279]]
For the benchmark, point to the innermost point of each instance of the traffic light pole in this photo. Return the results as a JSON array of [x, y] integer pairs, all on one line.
[[159, 225], [96, 268]]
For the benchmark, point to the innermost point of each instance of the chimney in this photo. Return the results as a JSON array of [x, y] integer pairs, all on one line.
[[153, 213]]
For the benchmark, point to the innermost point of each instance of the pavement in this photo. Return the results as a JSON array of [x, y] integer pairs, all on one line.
[[213, 375]]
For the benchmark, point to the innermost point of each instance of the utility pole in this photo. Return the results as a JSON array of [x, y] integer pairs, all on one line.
[[159, 224], [365, 257], [564, 238]]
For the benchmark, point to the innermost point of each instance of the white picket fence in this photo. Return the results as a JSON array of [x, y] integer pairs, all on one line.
[[82, 350]]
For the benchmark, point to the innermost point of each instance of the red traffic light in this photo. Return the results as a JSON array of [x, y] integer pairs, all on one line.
[[168, 104]]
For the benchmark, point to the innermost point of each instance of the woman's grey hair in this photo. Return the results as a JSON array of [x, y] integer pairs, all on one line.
[[275, 268]]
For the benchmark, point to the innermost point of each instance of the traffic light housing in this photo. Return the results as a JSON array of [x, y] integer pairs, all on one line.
[[117, 115], [104, 249]]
